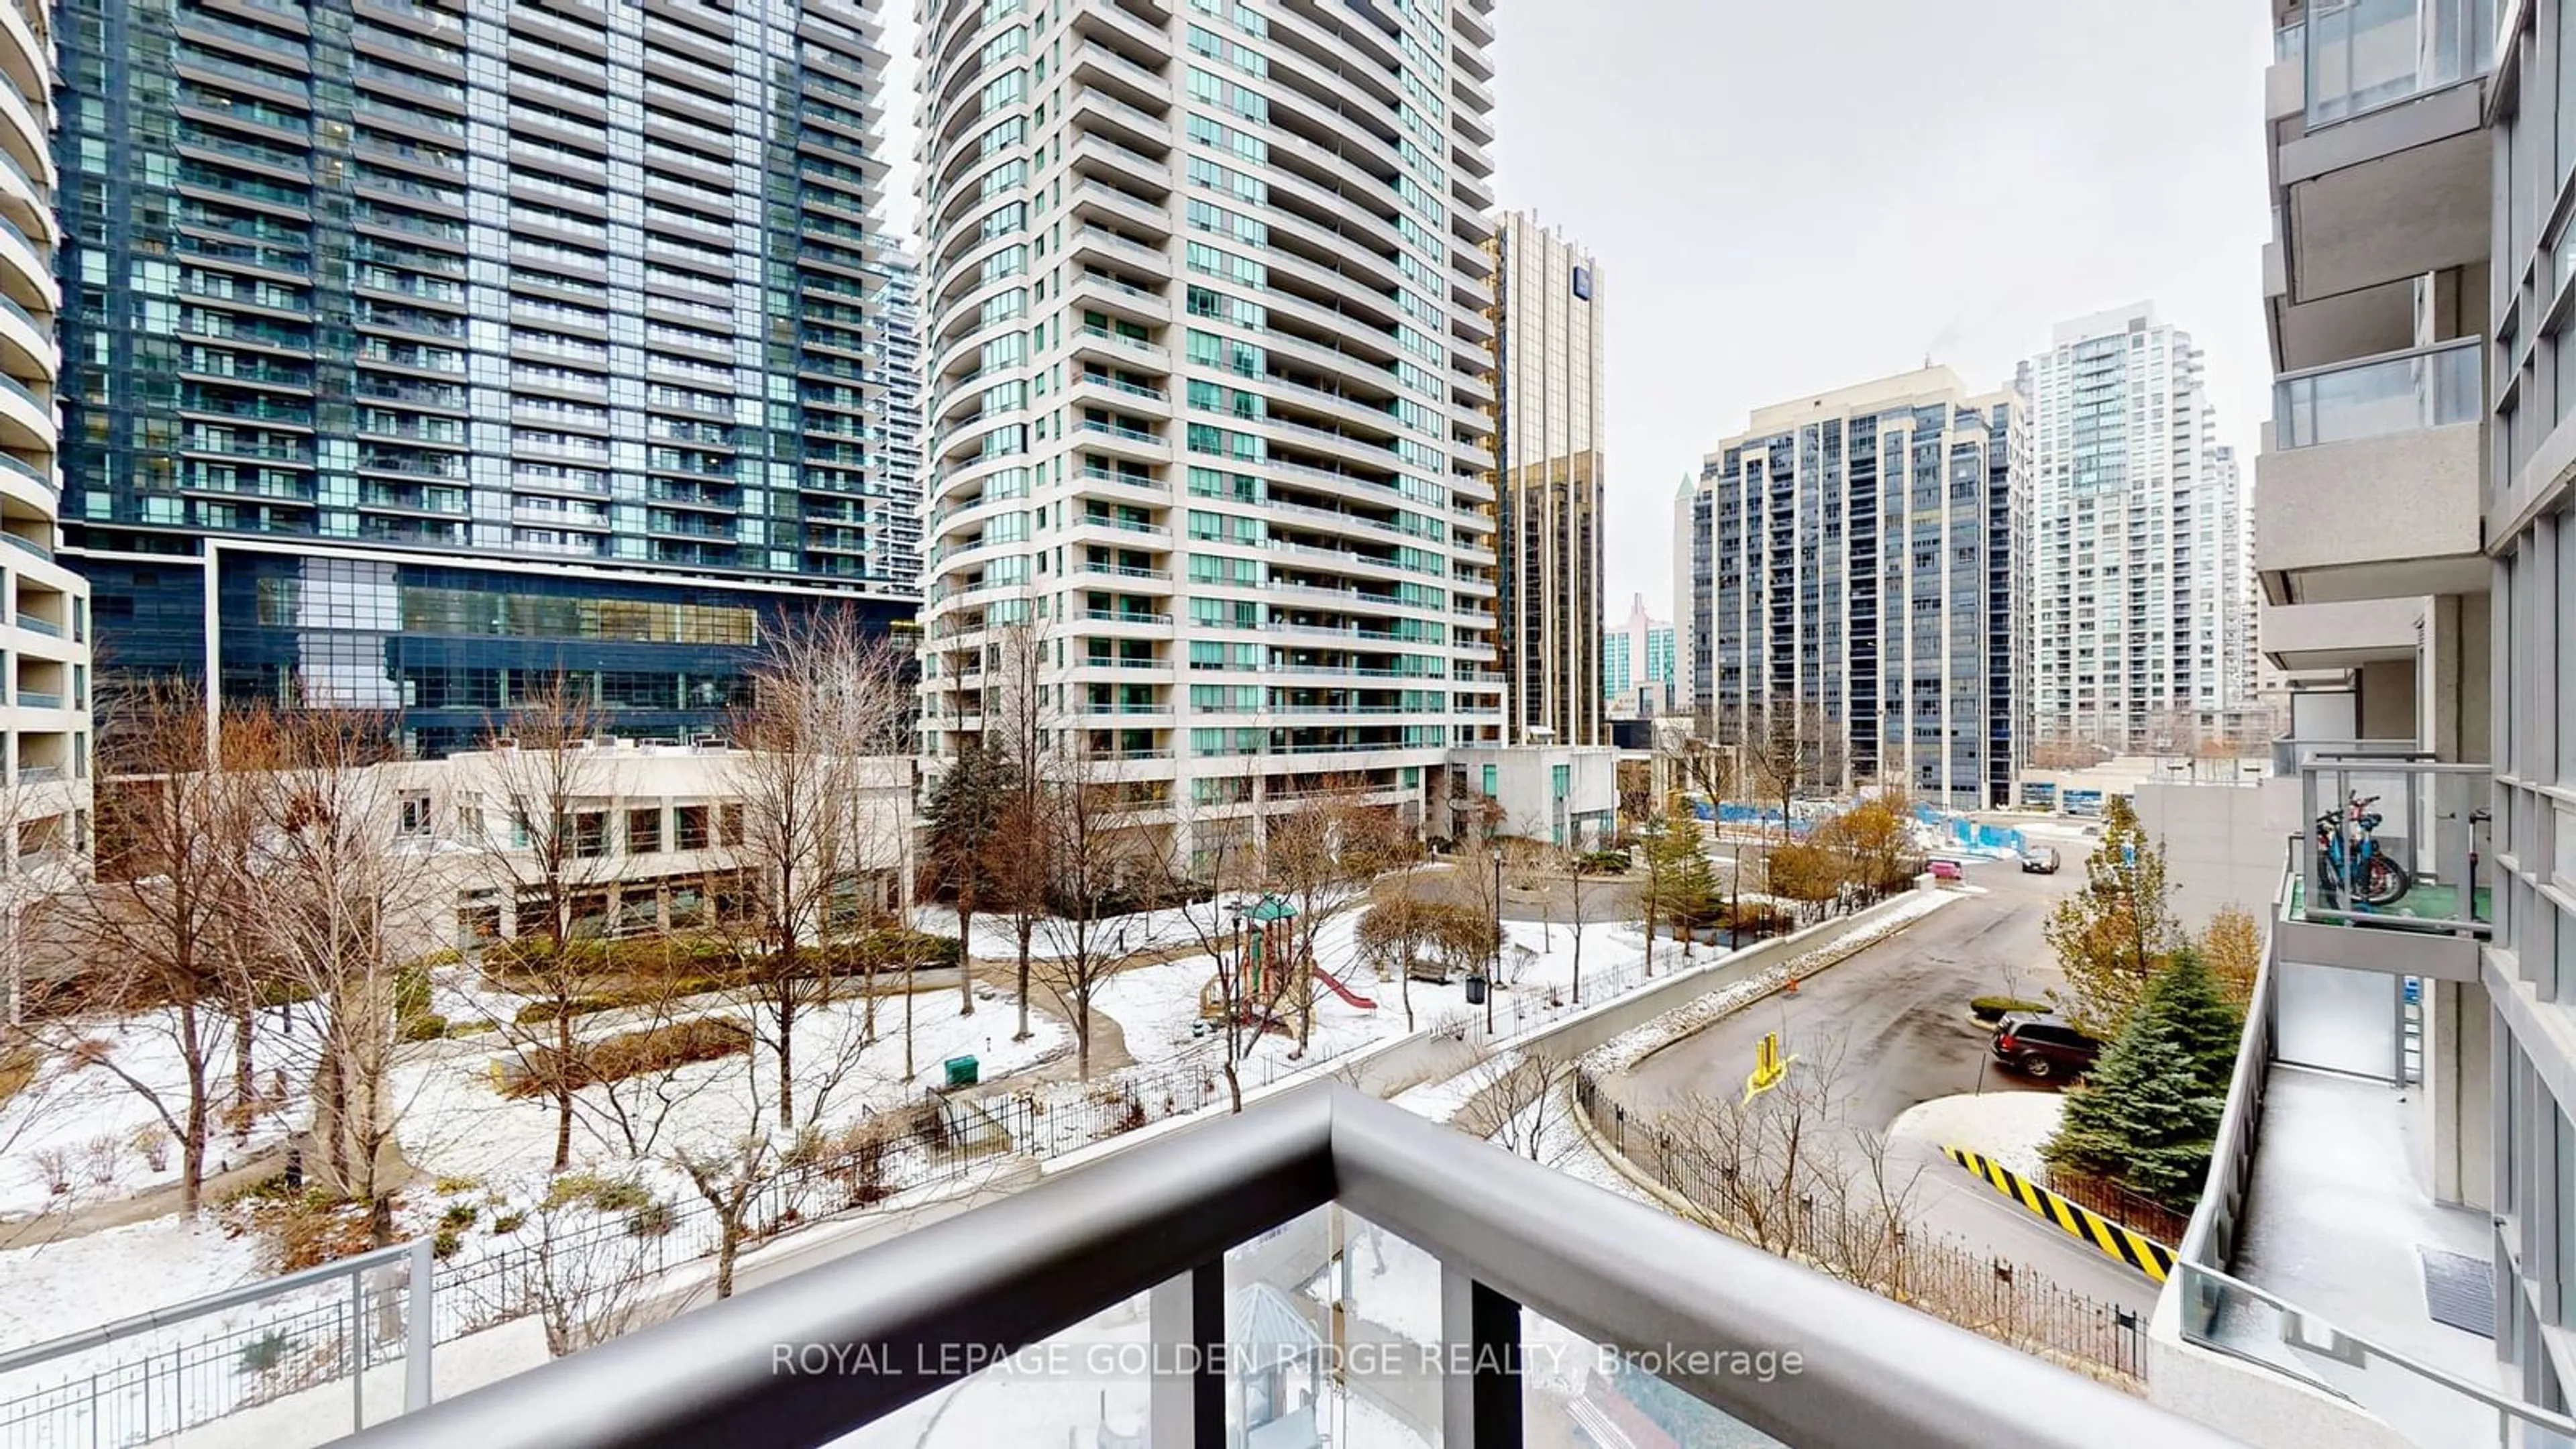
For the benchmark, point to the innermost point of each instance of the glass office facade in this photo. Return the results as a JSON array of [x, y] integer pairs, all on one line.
[[546, 280], [451, 649]]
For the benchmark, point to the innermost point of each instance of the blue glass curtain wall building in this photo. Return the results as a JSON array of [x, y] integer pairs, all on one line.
[[474, 280], [449, 651]]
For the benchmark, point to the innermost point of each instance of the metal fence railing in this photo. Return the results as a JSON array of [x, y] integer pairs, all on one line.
[[174, 1387], [1938, 1274], [357, 1313], [170, 1389]]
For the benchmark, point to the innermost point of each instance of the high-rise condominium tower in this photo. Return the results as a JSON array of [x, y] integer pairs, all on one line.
[[1637, 673], [1210, 374], [1548, 489], [2141, 570], [420, 351], [44, 606], [1850, 587], [894, 412]]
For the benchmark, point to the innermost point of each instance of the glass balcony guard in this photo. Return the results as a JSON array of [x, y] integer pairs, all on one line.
[[2398, 392], [2363, 55]]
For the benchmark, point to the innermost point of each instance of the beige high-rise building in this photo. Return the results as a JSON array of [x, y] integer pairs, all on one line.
[[1548, 482]]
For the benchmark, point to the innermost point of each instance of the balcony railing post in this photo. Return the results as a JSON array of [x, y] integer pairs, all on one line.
[[1186, 1394], [1480, 1371]]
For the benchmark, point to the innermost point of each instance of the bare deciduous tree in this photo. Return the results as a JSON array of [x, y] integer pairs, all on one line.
[[543, 828], [1094, 854], [165, 929], [1513, 1102], [829, 707], [1216, 900], [341, 905], [1320, 858], [1790, 1171]]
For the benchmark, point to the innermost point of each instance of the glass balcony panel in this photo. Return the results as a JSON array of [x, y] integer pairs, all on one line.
[[2403, 392], [1573, 1391], [2390, 844], [2366, 54], [1087, 1385]]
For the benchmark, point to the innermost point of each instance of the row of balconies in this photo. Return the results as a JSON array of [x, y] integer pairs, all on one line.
[[2369, 488]]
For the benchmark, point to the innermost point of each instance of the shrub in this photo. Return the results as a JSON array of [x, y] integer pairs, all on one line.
[[411, 992], [99, 1154], [153, 1141], [589, 1189], [449, 1185], [651, 1220], [509, 1222], [1602, 862], [459, 1216], [56, 1165], [429, 1027], [446, 1244], [1992, 1008], [309, 1228], [627, 1054], [265, 1352], [886, 948], [17, 1068]]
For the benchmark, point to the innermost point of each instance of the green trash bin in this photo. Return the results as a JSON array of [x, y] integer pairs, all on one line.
[[963, 1071]]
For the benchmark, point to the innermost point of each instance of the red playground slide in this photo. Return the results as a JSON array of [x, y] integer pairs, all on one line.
[[1344, 992]]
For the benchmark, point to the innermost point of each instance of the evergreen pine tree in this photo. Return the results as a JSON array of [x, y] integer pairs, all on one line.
[[2146, 1117], [2201, 1019], [1692, 891]]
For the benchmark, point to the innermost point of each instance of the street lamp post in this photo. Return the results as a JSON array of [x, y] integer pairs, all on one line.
[[1494, 976]]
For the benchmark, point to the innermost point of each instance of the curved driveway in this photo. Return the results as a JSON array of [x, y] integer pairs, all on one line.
[[1895, 1020]]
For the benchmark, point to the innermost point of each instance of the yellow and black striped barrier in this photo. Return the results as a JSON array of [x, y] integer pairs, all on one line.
[[2125, 1245]]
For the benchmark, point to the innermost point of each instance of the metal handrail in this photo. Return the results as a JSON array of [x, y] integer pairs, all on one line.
[[2350, 364], [1159, 1219], [416, 1261], [2310, 1326]]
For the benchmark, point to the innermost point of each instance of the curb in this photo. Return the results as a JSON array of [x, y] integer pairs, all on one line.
[[2123, 1245]]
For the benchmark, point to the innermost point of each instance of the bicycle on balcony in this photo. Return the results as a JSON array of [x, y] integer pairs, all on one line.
[[2351, 866]]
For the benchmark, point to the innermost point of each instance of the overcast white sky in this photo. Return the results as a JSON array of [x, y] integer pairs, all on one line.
[[1792, 195]]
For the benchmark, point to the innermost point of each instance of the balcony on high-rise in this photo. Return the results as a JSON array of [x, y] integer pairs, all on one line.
[[2368, 483]]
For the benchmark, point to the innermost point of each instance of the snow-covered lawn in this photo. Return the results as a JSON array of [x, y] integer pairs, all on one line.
[[60, 1287], [79, 1105], [2006, 1126], [457, 1124]]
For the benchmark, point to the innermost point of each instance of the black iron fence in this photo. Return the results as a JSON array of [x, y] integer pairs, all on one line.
[[1938, 1274]]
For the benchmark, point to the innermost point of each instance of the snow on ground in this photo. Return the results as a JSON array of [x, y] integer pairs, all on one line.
[[2006, 1126], [79, 1099], [60, 1287], [456, 1123], [1441, 1101]]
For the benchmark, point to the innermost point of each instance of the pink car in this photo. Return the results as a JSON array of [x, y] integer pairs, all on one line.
[[1945, 870]]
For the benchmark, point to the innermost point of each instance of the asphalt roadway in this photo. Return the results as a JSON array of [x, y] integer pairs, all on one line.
[[1893, 1024]]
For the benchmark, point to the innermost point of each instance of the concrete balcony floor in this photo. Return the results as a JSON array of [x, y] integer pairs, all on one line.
[[2336, 1222]]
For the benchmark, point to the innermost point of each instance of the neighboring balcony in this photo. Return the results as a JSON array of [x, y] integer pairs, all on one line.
[[2381, 167], [2410, 893], [2367, 487], [2301, 637]]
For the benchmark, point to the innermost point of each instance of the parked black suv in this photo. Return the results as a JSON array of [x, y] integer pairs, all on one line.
[[2044, 1045]]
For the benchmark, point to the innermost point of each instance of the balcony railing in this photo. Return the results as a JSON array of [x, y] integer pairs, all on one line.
[[2418, 868], [1205, 1226], [2399, 392], [2227, 1315], [2363, 55]]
